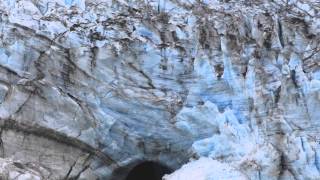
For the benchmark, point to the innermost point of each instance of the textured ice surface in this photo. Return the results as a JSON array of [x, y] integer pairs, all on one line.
[[91, 88]]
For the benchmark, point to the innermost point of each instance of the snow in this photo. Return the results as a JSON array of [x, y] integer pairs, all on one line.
[[206, 169]]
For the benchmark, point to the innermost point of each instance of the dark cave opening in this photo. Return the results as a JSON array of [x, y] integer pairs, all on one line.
[[148, 171]]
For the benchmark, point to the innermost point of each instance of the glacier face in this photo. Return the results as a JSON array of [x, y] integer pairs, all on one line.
[[91, 88]]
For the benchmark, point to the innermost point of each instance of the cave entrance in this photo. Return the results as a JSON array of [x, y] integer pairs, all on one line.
[[148, 171]]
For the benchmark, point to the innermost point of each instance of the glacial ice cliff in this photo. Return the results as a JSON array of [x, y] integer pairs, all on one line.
[[91, 88]]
